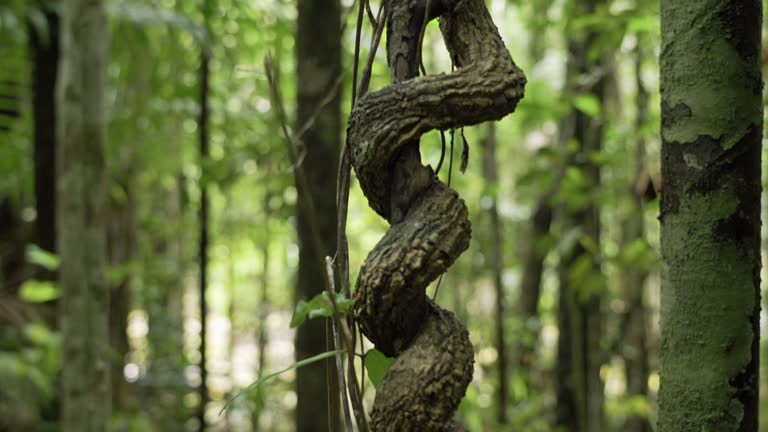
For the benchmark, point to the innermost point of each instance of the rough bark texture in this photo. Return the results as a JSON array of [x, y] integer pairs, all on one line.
[[318, 50], [712, 117], [81, 212], [430, 226], [579, 387]]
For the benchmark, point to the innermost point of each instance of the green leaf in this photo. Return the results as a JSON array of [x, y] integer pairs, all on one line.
[[377, 365], [643, 23], [319, 306], [588, 104], [43, 258], [35, 291], [634, 251], [38, 333], [298, 364], [299, 314], [343, 303]]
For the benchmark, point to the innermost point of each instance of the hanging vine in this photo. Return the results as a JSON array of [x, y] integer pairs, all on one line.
[[429, 223]]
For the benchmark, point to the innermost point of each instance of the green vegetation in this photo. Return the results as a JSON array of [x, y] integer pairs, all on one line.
[[169, 172]]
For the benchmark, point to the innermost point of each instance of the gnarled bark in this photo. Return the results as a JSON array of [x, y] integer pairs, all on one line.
[[430, 226]]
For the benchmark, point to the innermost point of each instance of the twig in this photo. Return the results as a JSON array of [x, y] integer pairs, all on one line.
[[337, 344], [421, 37], [290, 142], [325, 101], [374, 21], [442, 152], [342, 203], [366, 77], [298, 364], [302, 185], [450, 170], [358, 32]]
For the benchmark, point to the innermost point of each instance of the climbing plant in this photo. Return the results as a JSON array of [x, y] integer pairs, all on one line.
[[429, 223]]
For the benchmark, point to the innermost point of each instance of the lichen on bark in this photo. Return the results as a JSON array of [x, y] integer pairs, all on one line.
[[430, 226], [711, 92]]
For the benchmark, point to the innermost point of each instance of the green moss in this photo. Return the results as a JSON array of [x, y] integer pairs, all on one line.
[[707, 305], [705, 72]]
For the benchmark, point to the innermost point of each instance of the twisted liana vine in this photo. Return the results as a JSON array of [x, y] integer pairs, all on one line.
[[429, 222]]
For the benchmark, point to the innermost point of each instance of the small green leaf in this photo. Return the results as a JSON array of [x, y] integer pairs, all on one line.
[[299, 314], [588, 104], [343, 303], [319, 306], [643, 24], [119, 194], [38, 333], [43, 258], [377, 365], [634, 251], [35, 291]]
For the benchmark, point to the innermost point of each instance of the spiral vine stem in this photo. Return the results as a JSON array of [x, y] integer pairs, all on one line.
[[429, 222]]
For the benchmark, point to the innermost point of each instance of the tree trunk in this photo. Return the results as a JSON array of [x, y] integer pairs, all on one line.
[[524, 355], [205, 59], [490, 172], [81, 210], [121, 245], [318, 51], [45, 59], [165, 266], [579, 387], [712, 114], [14, 235]]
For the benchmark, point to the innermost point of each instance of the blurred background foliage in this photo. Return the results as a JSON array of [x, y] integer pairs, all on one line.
[[155, 177]]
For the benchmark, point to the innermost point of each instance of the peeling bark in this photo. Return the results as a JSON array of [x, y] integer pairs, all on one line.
[[430, 226]]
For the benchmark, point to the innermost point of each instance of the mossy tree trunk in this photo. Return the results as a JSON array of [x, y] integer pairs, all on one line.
[[712, 118], [318, 51], [81, 216]]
